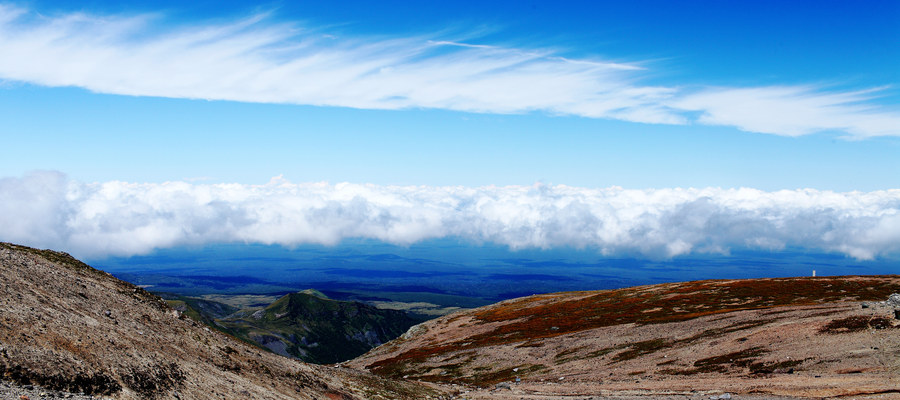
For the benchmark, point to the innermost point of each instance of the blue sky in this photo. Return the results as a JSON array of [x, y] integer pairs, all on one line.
[[823, 48], [647, 96]]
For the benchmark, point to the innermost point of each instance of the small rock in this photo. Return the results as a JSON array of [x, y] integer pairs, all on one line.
[[503, 385], [896, 314], [864, 305]]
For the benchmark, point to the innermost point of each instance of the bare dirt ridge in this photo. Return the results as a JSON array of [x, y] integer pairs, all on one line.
[[65, 326], [795, 337]]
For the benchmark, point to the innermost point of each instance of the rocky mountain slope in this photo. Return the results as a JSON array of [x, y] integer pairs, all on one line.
[[804, 337], [313, 328], [67, 326]]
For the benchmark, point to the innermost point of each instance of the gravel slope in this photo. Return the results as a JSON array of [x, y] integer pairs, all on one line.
[[68, 327]]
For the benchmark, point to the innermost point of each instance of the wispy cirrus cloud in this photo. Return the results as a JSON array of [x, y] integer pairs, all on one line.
[[792, 111], [257, 60], [45, 209], [253, 60]]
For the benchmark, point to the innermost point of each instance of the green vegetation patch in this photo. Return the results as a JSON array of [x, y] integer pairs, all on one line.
[[320, 330]]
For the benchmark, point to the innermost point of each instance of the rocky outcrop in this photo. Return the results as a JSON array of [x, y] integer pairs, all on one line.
[[894, 300]]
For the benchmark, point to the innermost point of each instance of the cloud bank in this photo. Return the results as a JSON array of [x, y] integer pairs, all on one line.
[[45, 209], [257, 60]]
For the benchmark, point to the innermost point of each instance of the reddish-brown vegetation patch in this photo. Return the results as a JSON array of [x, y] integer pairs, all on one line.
[[785, 367], [638, 349], [856, 324], [670, 303], [852, 370], [739, 360], [720, 363], [527, 322]]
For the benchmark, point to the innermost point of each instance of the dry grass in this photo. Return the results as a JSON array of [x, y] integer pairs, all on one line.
[[527, 323]]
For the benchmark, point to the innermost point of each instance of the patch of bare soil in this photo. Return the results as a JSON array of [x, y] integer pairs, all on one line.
[[792, 337], [66, 327]]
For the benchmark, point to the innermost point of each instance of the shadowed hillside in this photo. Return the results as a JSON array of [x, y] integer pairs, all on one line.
[[312, 328]]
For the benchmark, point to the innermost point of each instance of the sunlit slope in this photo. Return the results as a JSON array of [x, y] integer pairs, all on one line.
[[793, 336], [67, 326]]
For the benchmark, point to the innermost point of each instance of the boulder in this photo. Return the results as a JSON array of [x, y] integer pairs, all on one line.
[[894, 300]]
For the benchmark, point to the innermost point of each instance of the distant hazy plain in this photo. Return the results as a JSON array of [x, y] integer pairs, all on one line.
[[449, 272]]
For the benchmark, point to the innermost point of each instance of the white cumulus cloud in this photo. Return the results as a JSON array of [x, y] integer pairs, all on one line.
[[45, 209], [258, 60]]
